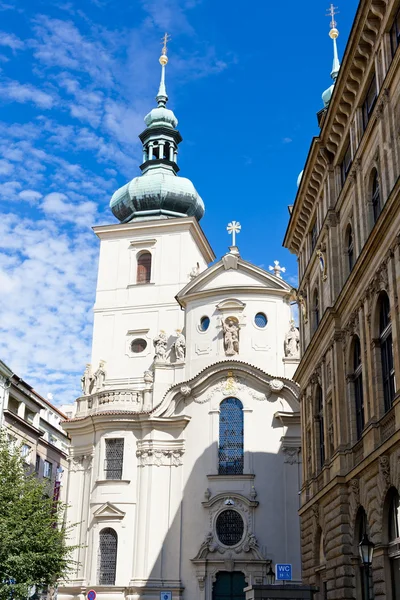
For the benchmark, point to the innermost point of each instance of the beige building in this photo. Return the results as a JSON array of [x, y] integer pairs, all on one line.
[[345, 229], [34, 424]]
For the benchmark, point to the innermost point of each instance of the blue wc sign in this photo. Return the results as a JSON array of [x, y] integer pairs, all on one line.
[[283, 572], [165, 595]]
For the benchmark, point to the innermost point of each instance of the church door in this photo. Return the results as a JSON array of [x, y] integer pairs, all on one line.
[[229, 586]]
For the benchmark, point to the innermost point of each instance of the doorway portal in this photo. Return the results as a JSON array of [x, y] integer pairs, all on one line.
[[229, 586]]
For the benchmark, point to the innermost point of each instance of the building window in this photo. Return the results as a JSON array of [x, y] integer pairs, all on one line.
[[230, 451], [314, 235], [47, 469], [114, 458], [394, 541], [376, 196], [316, 310], [26, 453], [320, 421], [138, 345], [260, 320], [346, 163], [229, 527], [143, 274], [386, 344], [395, 33], [358, 387], [107, 562], [37, 463], [369, 102], [204, 323], [350, 248]]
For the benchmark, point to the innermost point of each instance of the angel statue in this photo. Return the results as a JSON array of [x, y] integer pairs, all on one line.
[[231, 329]]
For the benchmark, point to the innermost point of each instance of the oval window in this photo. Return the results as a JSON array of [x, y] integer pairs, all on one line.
[[260, 320], [204, 323], [138, 345], [230, 527]]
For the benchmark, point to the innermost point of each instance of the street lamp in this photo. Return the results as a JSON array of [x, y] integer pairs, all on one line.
[[270, 575], [366, 550]]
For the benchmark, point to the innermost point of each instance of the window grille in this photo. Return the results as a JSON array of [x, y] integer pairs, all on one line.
[[143, 268], [107, 563], [358, 387], [231, 437], [229, 527], [386, 343], [114, 458], [260, 320]]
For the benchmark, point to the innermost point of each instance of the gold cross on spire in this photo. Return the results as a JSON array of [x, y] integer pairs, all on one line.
[[332, 11], [165, 39]]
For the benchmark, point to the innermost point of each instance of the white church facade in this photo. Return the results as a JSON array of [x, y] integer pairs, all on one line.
[[185, 455]]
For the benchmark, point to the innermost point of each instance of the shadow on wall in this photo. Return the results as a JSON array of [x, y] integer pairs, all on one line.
[[191, 525]]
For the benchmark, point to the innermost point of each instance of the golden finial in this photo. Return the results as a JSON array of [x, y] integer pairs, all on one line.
[[332, 11], [164, 58]]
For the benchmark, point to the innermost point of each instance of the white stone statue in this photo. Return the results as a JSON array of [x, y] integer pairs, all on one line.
[[160, 347], [231, 336], [148, 377], [180, 346], [292, 342], [194, 272], [99, 376], [86, 380]]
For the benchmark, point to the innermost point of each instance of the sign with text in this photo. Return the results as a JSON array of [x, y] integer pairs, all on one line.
[[165, 595], [283, 572]]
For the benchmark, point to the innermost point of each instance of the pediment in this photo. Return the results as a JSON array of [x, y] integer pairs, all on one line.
[[108, 511], [232, 277]]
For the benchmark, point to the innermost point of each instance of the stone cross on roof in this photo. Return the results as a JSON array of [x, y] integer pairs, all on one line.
[[277, 269], [233, 228]]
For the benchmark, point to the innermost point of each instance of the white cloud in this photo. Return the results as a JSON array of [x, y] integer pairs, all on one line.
[[30, 196], [11, 41], [57, 205], [19, 92]]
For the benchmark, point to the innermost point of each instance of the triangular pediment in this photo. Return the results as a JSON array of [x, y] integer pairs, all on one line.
[[229, 275], [108, 511]]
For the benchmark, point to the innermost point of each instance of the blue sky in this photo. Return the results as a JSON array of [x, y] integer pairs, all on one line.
[[77, 77]]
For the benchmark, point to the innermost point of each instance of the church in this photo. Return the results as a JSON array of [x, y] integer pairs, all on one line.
[[185, 463]]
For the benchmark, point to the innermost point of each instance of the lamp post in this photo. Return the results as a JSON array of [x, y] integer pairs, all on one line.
[[270, 575], [366, 550]]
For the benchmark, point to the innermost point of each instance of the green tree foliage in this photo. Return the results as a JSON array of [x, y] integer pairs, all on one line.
[[33, 548]]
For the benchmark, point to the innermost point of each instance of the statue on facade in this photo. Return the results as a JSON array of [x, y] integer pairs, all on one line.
[[231, 329], [160, 347], [292, 342], [86, 380], [180, 346], [194, 271], [99, 377]]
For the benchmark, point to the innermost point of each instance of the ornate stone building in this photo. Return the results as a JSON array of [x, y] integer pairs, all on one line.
[[345, 229], [185, 462]]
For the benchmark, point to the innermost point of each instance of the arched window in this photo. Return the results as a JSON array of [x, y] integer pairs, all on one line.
[[394, 541], [316, 309], [230, 451], [143, 274], [107, 564], [360, 531], [376, 196], [358, 387], [386, 344], [319, 404], [350, 248]]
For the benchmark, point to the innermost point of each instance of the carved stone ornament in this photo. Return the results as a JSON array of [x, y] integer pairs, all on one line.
[[229, 386], [274, 387], [86, 380], [291, 455], [322, 264], [186, 390], [231, 328], [384, 469], [180, 346], [148, 377], [160, 458], [160, 347], [303, 306], [82, 462], [292, 342]]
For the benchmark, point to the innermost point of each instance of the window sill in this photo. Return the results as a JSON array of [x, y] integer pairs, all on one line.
[[243, 477], [111, 481], [130, 285]]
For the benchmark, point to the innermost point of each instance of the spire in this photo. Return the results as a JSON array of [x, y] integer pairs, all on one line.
[[162, 97], [334, 34]]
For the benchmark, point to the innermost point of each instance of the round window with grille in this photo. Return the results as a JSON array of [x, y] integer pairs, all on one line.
[[138, 345], [230, 527], [260, 320]]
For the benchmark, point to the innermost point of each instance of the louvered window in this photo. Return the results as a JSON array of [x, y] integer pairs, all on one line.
[[143, 268], [114, 458], [107, 563], [231, 437], [229, 527]]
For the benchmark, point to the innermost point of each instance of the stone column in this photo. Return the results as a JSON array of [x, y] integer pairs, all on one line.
[[150, 150], [161, 149], [171, 152]]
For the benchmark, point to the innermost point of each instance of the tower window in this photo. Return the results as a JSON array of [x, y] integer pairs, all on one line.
[[386, 343], [107, 563], [230, 437], [260, 320], [138, 345], [229, 527], [114, 458], [143, 268], [204, 323]]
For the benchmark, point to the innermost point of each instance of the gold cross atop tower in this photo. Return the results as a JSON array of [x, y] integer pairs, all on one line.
[[165, 39], [332, 11]]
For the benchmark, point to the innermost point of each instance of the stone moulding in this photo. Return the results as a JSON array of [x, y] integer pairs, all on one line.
[[160, 453]]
